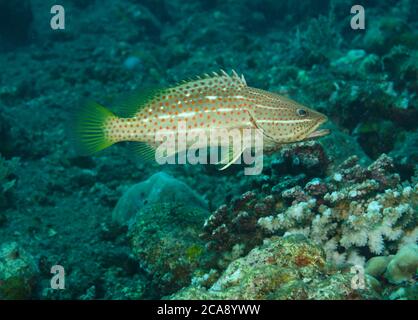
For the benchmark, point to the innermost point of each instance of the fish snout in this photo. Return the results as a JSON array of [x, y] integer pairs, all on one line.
[[320, 117]]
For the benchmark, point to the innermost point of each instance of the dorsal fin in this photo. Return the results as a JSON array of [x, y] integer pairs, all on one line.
[[128, 105], [233, 79]]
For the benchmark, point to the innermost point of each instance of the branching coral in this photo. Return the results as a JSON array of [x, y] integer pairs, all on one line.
[[232, 229], [354, 212], [368, 208]]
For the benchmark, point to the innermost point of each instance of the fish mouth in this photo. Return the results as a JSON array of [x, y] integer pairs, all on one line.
[[318, 133]]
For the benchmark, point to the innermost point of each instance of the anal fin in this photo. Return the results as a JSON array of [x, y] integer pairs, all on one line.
[[149, 153], [143, 150]]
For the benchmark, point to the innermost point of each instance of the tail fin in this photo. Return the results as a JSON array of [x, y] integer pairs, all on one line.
[[88, 128]]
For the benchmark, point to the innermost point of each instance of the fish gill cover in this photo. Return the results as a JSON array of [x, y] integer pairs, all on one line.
[[328, 216]]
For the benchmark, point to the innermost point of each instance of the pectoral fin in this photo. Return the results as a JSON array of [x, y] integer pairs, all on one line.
[[229, 158]]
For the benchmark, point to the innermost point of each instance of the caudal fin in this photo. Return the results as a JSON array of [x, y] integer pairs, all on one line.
[[88, 128]]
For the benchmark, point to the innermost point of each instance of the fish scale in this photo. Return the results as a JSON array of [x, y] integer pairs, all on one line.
[[213, 102]]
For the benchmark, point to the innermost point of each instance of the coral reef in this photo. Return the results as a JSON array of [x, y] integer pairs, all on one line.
[[376, 266], [165, 241], [164, 216], [404, 265], [353, 212], [354, 208], [340, 192], [309, 158], [398, 271], [282, 268], [18, 272]]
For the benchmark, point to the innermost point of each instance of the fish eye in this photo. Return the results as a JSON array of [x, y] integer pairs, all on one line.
[[301, 112]]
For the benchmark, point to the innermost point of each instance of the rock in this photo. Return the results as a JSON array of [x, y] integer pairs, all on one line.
[[165, 218], [159, 188], [339, 146], [404, 266], [165, 240], [3, 219], [282, 268], [6, 147], [15, 20], [305, 157], [349, 59], [7, 180], [18, 272], [405, 154]]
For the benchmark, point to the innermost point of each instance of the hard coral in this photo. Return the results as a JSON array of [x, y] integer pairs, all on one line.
[[282, 268], [368, 208], [353, 209]]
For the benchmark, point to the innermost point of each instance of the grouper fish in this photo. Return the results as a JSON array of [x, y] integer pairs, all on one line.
[[219, 101]]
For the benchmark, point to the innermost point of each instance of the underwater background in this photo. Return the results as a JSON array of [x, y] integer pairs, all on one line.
[[123, 228]]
